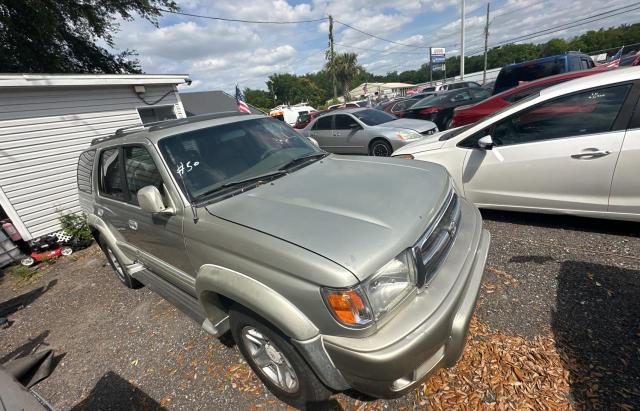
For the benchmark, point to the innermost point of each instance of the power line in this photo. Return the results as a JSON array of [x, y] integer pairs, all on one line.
[[562, 28], [243, 21], [378, 51], [378, 37]]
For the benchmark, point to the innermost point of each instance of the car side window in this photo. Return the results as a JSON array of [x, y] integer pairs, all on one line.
[[479, 93], [140, 171], [343, 122], [462, 96], [111, 174], [323, 123], [589, 112]]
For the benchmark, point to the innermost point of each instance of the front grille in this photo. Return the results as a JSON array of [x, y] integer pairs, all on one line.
[[435, 243]]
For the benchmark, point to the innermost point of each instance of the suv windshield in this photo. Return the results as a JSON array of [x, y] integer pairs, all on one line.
[[215, 158], [373, 117]]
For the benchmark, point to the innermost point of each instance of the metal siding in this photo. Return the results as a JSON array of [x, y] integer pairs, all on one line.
[[43, 130]]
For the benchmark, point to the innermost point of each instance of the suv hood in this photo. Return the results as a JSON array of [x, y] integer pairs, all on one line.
[[420, 126], [359, 212]]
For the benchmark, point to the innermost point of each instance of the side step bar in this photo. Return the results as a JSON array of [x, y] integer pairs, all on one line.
[[181, 300]]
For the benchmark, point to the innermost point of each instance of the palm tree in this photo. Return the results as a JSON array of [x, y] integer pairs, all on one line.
[[346, 68]]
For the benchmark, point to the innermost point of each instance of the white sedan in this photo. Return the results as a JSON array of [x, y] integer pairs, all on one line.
[[573, 148]]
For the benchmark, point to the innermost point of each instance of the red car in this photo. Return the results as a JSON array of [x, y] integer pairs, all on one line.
[[304, 119], [470, 114]]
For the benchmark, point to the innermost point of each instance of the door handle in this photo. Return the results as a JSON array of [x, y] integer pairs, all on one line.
[[133, 224], [591, 154]]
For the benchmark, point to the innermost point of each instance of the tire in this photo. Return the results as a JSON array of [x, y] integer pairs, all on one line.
[[118, 267], [380, 148], [27, 261], [300, 387], [448, 123]]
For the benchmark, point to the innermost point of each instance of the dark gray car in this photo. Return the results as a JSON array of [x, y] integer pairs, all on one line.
[[329, 274], [365, 131]]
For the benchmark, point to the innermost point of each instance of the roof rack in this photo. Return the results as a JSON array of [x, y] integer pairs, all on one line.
[[162, 125]]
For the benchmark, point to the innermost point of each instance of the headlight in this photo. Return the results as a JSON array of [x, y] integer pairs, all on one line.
[[390, 284], [358, 306], [408, 135]]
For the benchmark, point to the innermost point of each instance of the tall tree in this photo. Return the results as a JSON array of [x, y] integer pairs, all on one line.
[[63, 36], [346, 68]]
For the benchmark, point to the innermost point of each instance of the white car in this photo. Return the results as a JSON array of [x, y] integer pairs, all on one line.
[[574, 148]]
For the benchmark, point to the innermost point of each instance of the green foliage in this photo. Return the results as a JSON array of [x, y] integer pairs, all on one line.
[[259, 98], [76, 226], [23, 272], [55, 36]]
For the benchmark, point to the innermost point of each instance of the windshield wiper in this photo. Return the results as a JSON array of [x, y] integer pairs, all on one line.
[[301, 159], [273, 174]]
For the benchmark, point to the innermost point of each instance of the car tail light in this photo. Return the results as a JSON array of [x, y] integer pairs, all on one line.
[[430, 110]]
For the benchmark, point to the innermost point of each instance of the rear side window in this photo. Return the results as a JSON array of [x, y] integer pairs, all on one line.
[[141, 171], [85, 171], [111, 174], [323, 123]]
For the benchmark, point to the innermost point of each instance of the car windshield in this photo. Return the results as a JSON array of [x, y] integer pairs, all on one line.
[[373, 117], [205, 160]]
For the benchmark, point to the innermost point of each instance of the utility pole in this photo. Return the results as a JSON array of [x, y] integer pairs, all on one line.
[[331, 57], [486, 45], [461, 42]]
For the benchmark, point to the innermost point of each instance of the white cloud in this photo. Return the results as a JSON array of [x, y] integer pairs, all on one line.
[[218, 54]]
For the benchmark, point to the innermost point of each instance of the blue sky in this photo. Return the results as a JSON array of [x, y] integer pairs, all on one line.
[[218, 54]]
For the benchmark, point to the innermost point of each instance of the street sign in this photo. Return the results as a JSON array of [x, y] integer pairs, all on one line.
[[437, 54]]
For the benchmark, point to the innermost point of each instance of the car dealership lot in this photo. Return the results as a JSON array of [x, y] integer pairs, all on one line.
[[556, 324]]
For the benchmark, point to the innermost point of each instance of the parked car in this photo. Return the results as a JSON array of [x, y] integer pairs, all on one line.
[[245, 226], [365, 131], [439, 108], [450, 86], [512, 75], [398, 106], [469, 114], [350, 104], [304, 119], [290, 114], [572, 148]]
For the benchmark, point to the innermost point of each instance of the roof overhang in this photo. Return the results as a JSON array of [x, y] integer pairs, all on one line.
[[48, 80]]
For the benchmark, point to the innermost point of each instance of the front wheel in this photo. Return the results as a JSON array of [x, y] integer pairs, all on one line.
[[380, 148], [118, 267], [275, 361]]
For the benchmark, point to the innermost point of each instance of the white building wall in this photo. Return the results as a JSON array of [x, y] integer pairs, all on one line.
[[42, 132]]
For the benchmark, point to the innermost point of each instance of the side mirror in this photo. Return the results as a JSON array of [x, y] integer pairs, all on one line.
[[486, 142], [354, 126], [150, 199]]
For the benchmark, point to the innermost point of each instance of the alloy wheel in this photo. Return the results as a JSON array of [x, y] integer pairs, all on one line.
[[380, 150], [270, 360], [116, 264]]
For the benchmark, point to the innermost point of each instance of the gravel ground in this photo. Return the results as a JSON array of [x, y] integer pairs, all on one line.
[[563, 291]]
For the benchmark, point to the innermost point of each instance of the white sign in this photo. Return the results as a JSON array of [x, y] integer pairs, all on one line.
[[438, 51]]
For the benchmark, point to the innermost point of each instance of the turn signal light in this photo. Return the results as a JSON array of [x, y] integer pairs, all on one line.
[[405, 156], [348, 307]]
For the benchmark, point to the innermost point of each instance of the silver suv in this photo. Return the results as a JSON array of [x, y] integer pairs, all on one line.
[[331, 272]]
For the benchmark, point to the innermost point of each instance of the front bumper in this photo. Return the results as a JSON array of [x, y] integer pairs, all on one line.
[[427, 333]]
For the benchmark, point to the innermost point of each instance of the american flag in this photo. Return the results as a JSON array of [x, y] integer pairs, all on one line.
[[242, 105], [615, 60]]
